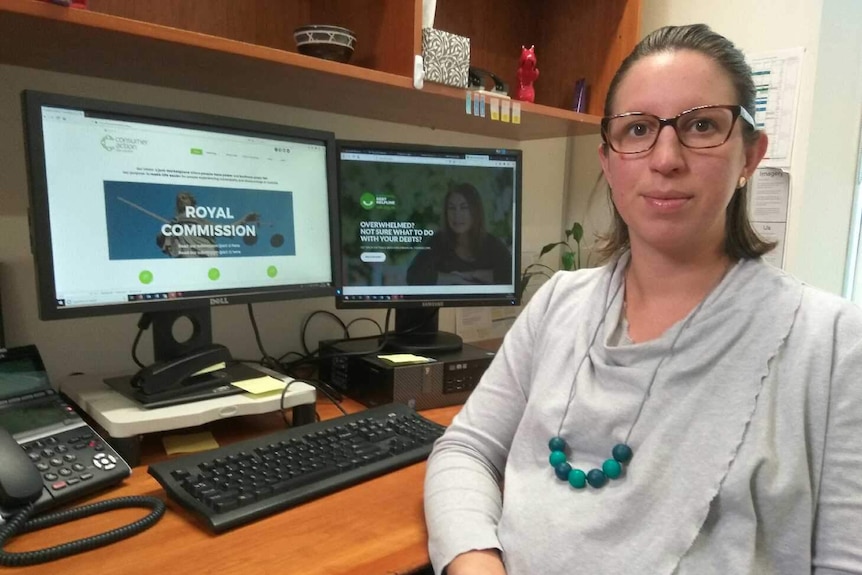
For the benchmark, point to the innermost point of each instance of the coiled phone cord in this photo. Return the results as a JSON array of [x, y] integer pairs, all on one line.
[[20, 523]]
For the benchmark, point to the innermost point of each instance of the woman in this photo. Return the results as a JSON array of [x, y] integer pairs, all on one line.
[[463, 252], [684, 409]]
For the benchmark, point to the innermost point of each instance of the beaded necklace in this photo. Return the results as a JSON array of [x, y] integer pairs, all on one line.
[[621, 453]]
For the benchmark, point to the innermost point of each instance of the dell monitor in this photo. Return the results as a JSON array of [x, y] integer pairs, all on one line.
[[422, 227], [165, 212]]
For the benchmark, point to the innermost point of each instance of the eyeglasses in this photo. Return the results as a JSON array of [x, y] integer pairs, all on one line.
[[701, 127]]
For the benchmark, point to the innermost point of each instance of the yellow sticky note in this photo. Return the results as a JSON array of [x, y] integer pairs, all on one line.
[[495, 109], [189, 443], [504, 110], [260, 385], [214, 367], [516, 112], [405, 358]]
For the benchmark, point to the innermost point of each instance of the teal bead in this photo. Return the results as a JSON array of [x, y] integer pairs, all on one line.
[[596, 478], [557, 444], [612, 468], [577, 479], [556, 458], [622, 452], [562, 470]]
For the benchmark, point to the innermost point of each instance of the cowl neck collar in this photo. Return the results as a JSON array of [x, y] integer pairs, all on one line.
[[695, 419]]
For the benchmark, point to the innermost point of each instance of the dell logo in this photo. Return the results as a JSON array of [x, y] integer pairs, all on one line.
[[432, 304], [219, 301]]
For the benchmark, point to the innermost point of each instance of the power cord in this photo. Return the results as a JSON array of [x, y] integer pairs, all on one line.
[[143, 325], [308, 320], [21, 523], [372, 320], [266, 359], [316, 385]]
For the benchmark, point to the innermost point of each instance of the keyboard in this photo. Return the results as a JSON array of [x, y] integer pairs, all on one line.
[[248, 480]]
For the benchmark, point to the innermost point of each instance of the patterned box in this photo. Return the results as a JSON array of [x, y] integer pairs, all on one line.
[[446, 57]]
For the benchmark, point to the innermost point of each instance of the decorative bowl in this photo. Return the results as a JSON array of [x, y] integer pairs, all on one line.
[[324, 41]]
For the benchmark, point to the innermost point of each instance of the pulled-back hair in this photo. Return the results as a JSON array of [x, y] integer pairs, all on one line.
[[741, 241], [477, 214]]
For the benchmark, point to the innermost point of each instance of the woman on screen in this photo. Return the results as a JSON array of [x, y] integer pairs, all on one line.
[[463, 252]]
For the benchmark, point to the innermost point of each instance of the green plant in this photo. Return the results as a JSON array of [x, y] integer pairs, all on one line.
[[570, 258]]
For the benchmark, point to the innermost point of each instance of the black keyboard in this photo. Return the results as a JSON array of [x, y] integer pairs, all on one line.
[[248, 480]]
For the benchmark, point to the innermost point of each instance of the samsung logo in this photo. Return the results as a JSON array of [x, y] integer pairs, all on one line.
[[219, 301], [432, 304]]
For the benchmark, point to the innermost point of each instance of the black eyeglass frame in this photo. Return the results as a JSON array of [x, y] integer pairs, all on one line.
[[736, 110]]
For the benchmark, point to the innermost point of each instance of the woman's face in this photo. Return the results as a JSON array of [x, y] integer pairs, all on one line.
[[673, 198], [458, 214]]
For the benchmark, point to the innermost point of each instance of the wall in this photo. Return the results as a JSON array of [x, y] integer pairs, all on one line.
[[103, 344], [833, 148], [823, 164]]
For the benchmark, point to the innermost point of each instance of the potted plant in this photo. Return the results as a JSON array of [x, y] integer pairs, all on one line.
[[570, 258]]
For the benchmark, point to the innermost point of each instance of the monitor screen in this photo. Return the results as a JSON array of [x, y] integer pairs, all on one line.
[[140, 209], [422, 227]]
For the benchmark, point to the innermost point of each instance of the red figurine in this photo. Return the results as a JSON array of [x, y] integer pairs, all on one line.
[[527, 74]]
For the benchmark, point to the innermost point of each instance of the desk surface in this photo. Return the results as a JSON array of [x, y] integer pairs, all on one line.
[[375, 528]]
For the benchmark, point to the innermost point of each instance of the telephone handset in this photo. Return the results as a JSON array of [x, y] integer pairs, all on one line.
[[20, 481]]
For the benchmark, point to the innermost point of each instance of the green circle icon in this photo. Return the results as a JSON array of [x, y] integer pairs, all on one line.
[[272, 271], [214, 274], [367, 200], [145, 277]]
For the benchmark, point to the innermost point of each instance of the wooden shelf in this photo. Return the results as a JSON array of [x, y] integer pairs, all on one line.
[[41, 35]]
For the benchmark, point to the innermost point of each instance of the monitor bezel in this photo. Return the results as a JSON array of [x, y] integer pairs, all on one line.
[[39, 212], [432, 301]]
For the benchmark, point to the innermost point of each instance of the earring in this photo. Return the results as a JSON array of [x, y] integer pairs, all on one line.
[[741, 183]]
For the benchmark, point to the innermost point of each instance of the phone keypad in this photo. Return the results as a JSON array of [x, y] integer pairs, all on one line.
[[69, 458]]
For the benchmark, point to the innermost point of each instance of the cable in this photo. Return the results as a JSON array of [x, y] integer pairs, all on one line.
[[143, 325], [287, 353], [308, 319], [317, 385], [20, 523], [372, 320], [266, 359]]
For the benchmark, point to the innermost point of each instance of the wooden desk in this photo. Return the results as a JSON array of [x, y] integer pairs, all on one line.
[[374, 528]]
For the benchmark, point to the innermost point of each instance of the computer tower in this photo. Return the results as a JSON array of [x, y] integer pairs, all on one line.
[[349, 367]]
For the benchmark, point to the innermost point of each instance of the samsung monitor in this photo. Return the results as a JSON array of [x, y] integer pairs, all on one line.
[[165, 212], [422, 227]]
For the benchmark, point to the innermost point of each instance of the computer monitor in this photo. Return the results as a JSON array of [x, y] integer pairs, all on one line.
[[169, 212], [423, 227]]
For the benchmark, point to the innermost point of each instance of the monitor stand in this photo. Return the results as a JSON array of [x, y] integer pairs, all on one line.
[[416, 331], [166, 345]]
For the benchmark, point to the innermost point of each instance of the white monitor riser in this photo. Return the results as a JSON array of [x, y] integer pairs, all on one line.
[[123, 420]]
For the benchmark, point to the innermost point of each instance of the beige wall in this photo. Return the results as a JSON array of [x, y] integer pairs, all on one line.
[[103, 344]]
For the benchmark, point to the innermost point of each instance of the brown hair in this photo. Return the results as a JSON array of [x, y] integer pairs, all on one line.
[[741, 241], [477, 213]]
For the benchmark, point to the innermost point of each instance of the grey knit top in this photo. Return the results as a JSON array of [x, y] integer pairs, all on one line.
[[747, 451]]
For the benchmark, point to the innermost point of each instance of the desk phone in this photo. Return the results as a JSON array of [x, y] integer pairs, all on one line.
[[50, 454]]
